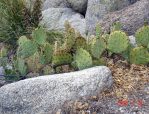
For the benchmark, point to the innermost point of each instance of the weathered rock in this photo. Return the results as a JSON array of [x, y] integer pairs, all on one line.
[[132, 40], [131, 18], [54, 19], [55, 4], [45, 94], [97, 9], [78, 5]]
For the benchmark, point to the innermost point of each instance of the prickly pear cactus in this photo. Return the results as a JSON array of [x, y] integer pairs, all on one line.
[[118, 42], [3, 51], [20, 66], [33, 63], [48, 52], [98, 31], [26, 48], [142, 36], [39, 36], [139, 55], [22, 39], [98, 62], [116, 27], [97, 48], [61, 58], [69, 37], [80, 42], [105, 37], [47, 70], [82, 59]]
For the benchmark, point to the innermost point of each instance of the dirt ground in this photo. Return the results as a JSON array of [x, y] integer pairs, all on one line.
[[129, 94]]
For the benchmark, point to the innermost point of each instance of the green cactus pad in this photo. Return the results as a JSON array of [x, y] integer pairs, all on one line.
[[116, 26], [20, 66], [3, 52], [80, 42], [98, 62], [27, 49], [98, 31], [48, 51], [139, 55], [48, 70], [61, 59], [97, 48], [39, 35], [33, 63], [142, 36], [22, 39], [118, 42], [83, 59]]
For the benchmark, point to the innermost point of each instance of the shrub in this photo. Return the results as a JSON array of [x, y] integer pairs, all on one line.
[[17, 20]]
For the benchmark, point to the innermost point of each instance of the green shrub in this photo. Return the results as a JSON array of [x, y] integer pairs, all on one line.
[[17, 20]]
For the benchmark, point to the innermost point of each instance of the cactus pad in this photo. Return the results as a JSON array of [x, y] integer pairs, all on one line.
[[142, 36], [118, 42], [39, 35], [139, 55], [83, 59], [61, 59], [97, 47], [27, 49]]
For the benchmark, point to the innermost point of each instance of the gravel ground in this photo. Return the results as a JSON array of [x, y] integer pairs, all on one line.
[[129, 94], [138, 103]]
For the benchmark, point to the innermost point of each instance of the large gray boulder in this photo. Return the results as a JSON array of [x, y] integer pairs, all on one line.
[[97, 9], [55, 18], [131, 18], [55, 4], [44, 95], [78, 5]]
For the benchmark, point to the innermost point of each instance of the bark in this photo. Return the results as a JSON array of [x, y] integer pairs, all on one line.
[[131, 17]]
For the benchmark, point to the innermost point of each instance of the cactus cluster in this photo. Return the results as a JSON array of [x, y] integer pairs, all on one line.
[[37, 55]]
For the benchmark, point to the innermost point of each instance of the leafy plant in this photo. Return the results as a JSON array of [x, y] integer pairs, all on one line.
[[16, 19]]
